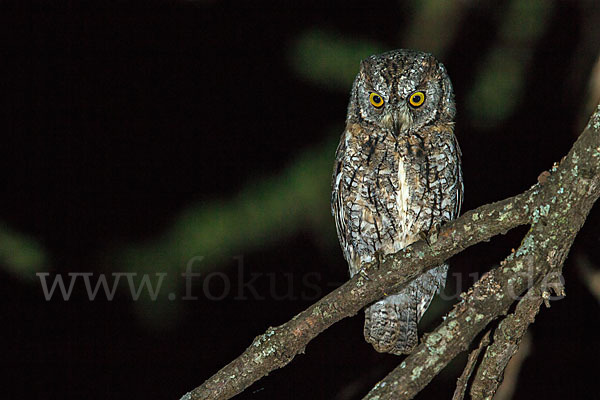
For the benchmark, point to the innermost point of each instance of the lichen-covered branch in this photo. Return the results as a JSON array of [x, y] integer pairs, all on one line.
[[561, 201], [511, 330], [506, 340]]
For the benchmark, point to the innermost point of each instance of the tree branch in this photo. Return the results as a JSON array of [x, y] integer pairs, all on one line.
[[562, 202], [507, 338]]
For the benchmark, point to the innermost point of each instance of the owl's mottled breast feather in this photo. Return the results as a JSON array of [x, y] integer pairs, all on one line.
[[387, 190]]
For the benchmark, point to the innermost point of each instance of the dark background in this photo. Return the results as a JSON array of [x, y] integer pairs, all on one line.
[[118, 116]]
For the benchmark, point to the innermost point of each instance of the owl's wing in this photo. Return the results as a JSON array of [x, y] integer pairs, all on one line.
[[337, 207], [460, 187]]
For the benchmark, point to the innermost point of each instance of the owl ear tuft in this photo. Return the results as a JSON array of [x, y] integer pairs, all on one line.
[[363, 65], [363, 69]]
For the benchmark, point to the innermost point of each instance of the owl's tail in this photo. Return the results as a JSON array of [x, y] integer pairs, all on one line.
[[391, 323]]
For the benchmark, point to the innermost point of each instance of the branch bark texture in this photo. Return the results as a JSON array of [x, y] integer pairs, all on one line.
[[556, 208], [507, 338]]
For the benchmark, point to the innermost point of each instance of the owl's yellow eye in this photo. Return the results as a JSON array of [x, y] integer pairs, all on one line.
[[416, 99], [376, 100]]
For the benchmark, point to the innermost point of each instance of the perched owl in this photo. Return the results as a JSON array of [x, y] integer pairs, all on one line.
[[397, 176]]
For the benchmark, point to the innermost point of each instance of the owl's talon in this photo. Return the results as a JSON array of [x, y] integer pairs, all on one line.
[[431, 236], [424, 236], [363, 274], [379, 257]]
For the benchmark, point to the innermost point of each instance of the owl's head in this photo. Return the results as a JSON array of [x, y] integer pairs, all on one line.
[[400, 92]]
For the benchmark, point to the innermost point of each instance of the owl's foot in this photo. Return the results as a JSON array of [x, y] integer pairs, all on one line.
[[431, 235], [363, 273], [378, 256], [424, 236]]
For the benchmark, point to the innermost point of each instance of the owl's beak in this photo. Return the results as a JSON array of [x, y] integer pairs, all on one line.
[[397, 121]]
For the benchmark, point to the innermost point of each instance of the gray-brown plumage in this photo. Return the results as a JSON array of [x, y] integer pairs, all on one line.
[[397, 175]]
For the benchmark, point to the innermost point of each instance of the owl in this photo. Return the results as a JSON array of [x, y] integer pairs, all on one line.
[[396, 177]]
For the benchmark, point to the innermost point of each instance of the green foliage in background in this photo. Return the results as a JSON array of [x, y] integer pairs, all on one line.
[[433, 26], [263, 212], [497, 91], [21, 255], [328, 59]]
